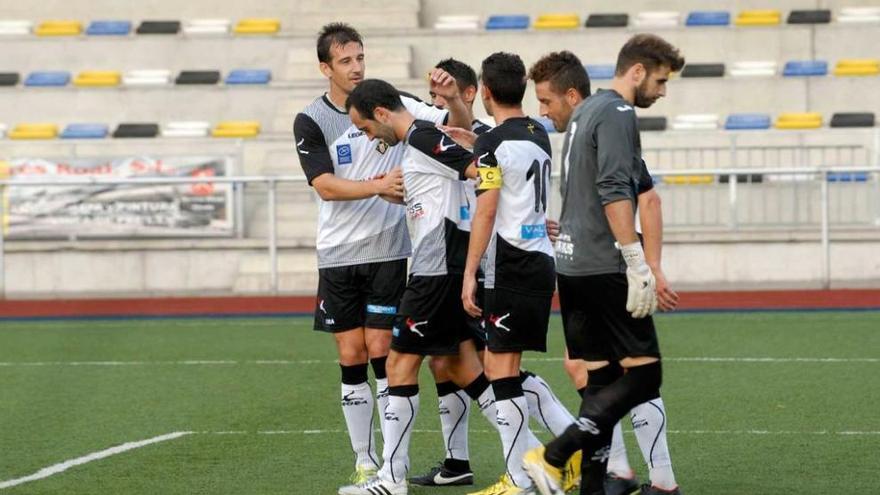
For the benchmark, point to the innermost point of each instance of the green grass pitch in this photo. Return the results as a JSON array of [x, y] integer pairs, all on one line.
[[262, 403]]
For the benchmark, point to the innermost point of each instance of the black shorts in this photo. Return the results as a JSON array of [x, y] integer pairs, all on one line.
[[476, 325], [431, 319], [516, 321], [597, 325], [356, 296]]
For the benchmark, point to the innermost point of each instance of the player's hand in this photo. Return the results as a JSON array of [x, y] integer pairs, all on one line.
[[667, 299], [552, 230], [464, 137], [443, 84], [390, 184], [469, 296], [641, 294]]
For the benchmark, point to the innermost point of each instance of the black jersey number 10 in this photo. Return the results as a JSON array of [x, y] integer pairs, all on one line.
[[540, 174]]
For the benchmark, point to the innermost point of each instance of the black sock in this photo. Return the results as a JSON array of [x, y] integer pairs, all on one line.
[[477, 387], [457, 465], [378, 365], [446, 388], [354, 375]]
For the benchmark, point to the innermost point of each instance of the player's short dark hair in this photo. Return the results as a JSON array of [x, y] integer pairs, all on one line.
[[335, 33], [463, 73], [563, 70], [505, 76], [649, 50], [371, 94]]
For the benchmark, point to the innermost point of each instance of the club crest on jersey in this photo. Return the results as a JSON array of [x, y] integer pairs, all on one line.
[[531, 128], [382, 147], [343, 154]]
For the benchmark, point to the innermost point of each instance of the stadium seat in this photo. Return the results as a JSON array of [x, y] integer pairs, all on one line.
[[58, 28], [146, 77], [34, 131], [859, 15], [847, 177], [109, 28], [854, 119], [236, 129], [857, 67], [158, 27], [708, 18], [742, 179], [85, 131], [457, 22], [257, 26], [198, 77], [607, 20], [249, 76], [4, 172], [95, 78], [803, 68], [139, 130], [747, 121], [758, 18], [657, 19], [809, 16], [599, 72], [47, 78], [9, 78], [806, 120], [652, 123], [199, 27], [695, 122], [16, 27], [703, 70], [757, 68], [186, 129], [688, 179], [497, 22], [557, 21]]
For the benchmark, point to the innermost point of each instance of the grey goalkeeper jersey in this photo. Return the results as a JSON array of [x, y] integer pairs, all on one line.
[[601, 163]]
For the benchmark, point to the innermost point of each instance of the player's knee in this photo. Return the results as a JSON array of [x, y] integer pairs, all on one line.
[[350, 355], [600, 378], [576, 370], [646, 380], [439, 366]]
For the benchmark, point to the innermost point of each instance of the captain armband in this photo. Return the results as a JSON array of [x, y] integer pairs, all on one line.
[[490, 178]]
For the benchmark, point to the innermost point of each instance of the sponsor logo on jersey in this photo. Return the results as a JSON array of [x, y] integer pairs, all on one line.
[[564, 246], [300, 143], [624, 108], [414, 326], [536, 231], [498, 321], [395, 332], [415, 211], [381, 310], [355, 135], [441, 146], [343, 154], [350, 400], [465, 213]]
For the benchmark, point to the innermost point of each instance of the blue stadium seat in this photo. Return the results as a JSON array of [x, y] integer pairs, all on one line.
[[744, 121], [507, 22], [708, 18], [109, 28], [547, 123], [47, 78], [85, 131], [847, 177], [801, 68], [598, 72], [246, 76]]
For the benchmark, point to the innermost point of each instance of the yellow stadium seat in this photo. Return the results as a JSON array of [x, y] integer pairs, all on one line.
[[807, 120], [857, 67], [688, 179], [557, 21], [758, 18], [97, 78], [257, 26], [236, 128], [34, 131], [58, 28]]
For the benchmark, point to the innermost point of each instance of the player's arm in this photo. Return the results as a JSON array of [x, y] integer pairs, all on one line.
[[651, 218], [482, 225], [450, 158], [315, 160]]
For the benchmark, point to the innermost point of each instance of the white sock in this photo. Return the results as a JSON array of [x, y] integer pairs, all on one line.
[[544, 406], [513, 424], [486, 403], [649, 423], [618, 464], [400, 417], [454, 410], [381, 401], [357, 407]]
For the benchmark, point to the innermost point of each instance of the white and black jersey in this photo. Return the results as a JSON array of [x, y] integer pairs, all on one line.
[[477, 127], [436, 204], [515, 158], [361, 231]]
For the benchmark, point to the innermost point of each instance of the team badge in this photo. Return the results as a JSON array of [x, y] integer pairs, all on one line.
[[382, 147], [343, 154]]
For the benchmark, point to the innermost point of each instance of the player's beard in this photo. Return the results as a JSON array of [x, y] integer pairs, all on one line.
[[642, 100]]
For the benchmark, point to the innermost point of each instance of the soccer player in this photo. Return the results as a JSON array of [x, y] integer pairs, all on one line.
[[604, 278], [362, 240], [430, 319], [509, 224], [454, 403], [561, 84]]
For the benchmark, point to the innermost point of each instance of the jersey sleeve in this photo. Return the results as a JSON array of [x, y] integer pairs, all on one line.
[[314, 157], [488, 168], [617, 155], [424, 111], [450, 158], [646, 182]]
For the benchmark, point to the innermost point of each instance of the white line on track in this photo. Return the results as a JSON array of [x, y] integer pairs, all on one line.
[[671, 432], [94, 456]]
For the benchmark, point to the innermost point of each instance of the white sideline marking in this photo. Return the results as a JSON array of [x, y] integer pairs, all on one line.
[[283, 362], [94, 456], [673, 432]]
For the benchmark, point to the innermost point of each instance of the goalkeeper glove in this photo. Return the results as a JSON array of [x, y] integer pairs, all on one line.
[[641, 296]]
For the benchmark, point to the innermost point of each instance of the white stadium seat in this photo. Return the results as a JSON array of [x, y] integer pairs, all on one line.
[[858, 15], [657, 19], [755, 68], [197, 27], [695, 122], [15, 27], [146, 77], [186, 129], [457, 22]]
